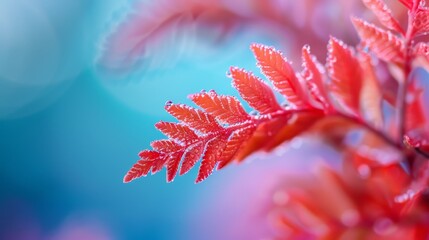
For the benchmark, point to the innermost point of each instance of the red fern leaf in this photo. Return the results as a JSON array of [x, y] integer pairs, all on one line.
[[150, 155], [173, 165], [407, 3], [226, 109], [199, 132], [140, 169], [143, 166], [176, 131], [254, 91], [371, 95], [384, 44], [234, 144], [280, 73], [297, 124], [313, 75], [194, 118], [159, 163], [191, 157], [421, 50], [383, 13], [346, 74], [262, 136], [165, 146], [412, 4], [212, 152], [421, 22]]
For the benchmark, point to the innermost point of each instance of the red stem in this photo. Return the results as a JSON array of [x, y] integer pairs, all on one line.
[[372, 129], [401, 102]]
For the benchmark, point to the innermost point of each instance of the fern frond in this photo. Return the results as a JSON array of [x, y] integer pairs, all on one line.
[[421, 50], [280, 73], [383, 14], [222, 131], [254, 91], [235, 143], [346, 75], [214, 149], [194, 118], [173, 165], [165, 146], [411, 4], [176, 131], [226, 109], [143, 166], [371, 96], [384, 44], [421, 22], [191, 157], [313, 74]]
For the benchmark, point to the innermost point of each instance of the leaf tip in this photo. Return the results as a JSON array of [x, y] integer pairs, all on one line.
[[127, 178]]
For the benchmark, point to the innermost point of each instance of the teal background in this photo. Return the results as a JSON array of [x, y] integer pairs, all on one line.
[[69, 131]]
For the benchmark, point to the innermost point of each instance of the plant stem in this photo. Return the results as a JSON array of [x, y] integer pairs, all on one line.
[[372, 129], [401, 101]]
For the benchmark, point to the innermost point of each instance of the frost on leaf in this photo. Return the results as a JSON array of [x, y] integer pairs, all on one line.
[[384, 14], [194, 118], [346, 75], [173, 165], [421, 22], [421, 50], [191, 157], [371, 95], [412, 4], [254, 91], [280, 73], [222, 131], [143, 166], [226, 109], [165, 146], [313, 75], [235, 144], [213, 150], [176, 131], [384, 44]]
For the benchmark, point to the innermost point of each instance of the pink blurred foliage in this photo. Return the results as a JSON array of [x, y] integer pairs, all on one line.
[[369, 203], [243, 208], [292, 23], [317, 193]]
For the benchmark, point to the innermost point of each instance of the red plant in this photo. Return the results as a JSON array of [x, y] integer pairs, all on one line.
[[378, 123]]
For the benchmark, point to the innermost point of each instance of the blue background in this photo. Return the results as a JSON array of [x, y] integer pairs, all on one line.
[[69, 131]]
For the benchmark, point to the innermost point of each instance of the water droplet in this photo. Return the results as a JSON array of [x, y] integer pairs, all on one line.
[[228, 74], [168, 103], [203, 91], [212, 92]]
